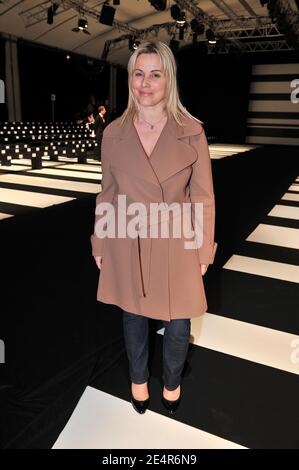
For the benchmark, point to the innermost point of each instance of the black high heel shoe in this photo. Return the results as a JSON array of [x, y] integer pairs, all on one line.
[[139, 405], [171, 406]]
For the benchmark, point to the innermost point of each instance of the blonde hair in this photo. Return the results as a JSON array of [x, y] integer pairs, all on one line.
[[174, 106]]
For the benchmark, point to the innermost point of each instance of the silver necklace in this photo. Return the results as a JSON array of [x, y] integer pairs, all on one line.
[[152, 125]]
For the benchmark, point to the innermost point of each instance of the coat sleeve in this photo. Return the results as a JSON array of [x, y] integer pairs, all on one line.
[[106, 195], [202, 191]]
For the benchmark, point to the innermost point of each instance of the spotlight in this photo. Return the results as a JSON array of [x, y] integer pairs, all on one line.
[[197, 27], [82, 26], [107, 15], [51, 12], [175, 12], [159, 5], [181, 21], [133, 44], [210, 36]]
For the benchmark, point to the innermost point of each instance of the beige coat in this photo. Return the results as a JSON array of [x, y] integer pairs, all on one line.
[[156, 277]]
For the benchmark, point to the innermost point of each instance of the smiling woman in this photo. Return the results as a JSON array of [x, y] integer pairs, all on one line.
[[156, 152]]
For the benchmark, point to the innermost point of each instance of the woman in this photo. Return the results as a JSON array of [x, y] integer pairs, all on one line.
[[155, 153]]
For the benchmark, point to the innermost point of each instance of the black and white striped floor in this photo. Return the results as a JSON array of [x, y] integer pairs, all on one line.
[[22, 188], [260, 362], [240, 387]]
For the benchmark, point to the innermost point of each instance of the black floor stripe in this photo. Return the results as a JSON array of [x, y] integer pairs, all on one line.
[[280, 254], [40, 189], [281, 222], [15, 209], [255, 299], [56, 177], [285, 202]]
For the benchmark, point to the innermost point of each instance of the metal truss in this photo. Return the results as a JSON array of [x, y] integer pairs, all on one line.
[[242, 34], [259, 46], [39, 12]]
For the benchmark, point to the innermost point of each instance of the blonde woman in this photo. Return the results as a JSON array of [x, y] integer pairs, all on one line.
[[154, 155]]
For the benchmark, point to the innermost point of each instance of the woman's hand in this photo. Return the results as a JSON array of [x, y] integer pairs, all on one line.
[[204, 268], [98, 260]]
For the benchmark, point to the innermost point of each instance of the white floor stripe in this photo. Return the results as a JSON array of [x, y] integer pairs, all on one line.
[[290, 197], [218, 151], [231, 147], [27, 162], [272, 69], [81, 166], [267, 121], [271, 106], [27, 198], [253, 139], [51, 183], [273, 235], [15, 167], [286, 212], [262, 267], [62, 172], [253, 343], [294, 187], [102, 421], [92, 161], [4, 216]]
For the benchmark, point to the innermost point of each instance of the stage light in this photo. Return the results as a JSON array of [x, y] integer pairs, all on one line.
[[159, 5], [210, 36], [51, 12], [133, 43], [82, 26], [197, 27], [175, 12], [181, 21], [107, 15]]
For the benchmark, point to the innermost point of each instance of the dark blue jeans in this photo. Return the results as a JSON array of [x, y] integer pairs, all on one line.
[[175, 348]]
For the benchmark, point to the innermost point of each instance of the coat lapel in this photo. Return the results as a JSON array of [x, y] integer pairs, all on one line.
[[172, 152]]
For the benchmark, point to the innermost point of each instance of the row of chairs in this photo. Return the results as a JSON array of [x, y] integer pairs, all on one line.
[[23, 132], [36, 141]]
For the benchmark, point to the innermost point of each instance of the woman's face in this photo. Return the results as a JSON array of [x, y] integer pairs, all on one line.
[[148, 82]]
